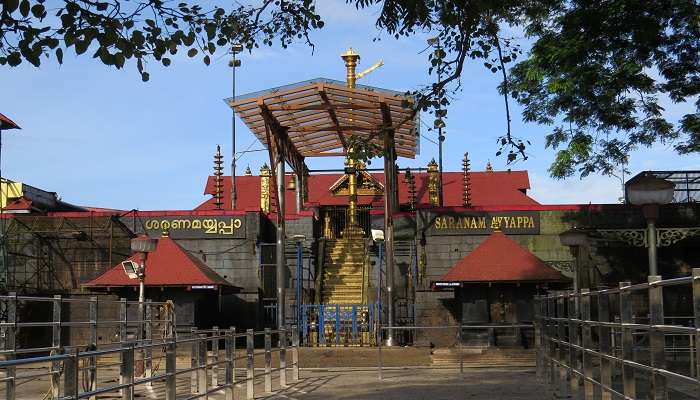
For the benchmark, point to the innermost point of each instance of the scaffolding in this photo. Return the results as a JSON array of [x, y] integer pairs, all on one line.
[[56, 254]]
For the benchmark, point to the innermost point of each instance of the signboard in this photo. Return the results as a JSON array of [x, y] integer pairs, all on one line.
[[196, 228], [194, 287], [446, 285], [482, 223]]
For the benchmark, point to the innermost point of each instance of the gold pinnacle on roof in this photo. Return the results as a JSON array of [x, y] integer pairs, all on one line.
[[466, 180], [351, 59], [218, 183], [489, 167], [248, 172]]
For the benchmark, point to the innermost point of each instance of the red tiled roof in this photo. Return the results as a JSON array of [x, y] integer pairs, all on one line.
[[499, 258], [487, 189], [21, 204], [6, 123], [168, 265]]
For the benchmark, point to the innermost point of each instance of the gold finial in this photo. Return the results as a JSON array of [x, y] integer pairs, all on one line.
[[165, 234], [466, 180], [351, 59], [411, 182], [248, 172], [218, 182], [489, 167]]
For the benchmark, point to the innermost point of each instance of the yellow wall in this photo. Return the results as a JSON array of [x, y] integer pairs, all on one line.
[[9, 190]]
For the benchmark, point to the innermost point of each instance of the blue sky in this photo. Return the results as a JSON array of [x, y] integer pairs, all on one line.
[[101, 137]]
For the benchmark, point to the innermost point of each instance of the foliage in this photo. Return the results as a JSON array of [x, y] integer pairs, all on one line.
[[599, 72], [115, 31]]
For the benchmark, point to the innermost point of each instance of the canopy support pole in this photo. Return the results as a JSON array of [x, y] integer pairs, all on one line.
[[389, 174]]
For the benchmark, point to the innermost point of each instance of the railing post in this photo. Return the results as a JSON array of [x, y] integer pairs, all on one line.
[[461, 350], [657, 339], [268, 361], [587, 340], [93, 343], [230, 365], [337, 324], [194, 361], [148, 339], [250, 370], [321, 324], [551, 334], [126, 372], [11, 344], [215, 358], [295, 354], [574, 366], [202, 364], [170, 369], [696, 315], [564, 369], [123, 323], [56, 345], [604, 343], [629, 383], [70, 375], [283, 357]]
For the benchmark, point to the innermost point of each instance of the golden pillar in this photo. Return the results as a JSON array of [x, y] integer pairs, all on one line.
[[265, 188], [433, 183], [352, 228]]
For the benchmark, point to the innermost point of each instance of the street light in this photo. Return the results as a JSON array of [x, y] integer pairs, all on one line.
[[143, 245], [649, 192], [234, 63], [378, 238], [299, 239], [576, 238]]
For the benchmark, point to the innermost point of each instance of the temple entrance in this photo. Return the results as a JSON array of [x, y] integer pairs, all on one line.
[[335, 220]]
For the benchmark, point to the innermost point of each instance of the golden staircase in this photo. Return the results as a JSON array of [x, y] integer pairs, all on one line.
[[344, 272]]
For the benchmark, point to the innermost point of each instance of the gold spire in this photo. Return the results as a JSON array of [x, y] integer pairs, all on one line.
[[218, 183], [248, 172], [265, 188], [411, 183], [466, 180], [351, 59], [489, 167]]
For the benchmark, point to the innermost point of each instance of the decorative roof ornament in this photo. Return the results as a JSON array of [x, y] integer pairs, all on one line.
[[489, 167], [411, 183], [433, 183], [248, 172], [218, 181], [466, 180], [265, 188], [292, 183]]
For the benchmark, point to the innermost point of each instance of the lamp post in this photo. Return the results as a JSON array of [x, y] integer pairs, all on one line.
[[435, 42], [378, 238], [299, 239], [576, 239], [143, 245], [234, 63], [649, 192]]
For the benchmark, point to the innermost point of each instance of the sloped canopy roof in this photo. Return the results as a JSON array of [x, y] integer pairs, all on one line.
[[500, 259], [6, 123], [168, 265], [321, 114]]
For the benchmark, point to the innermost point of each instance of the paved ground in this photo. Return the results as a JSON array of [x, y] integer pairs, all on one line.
[[417, 384], [353, 383]]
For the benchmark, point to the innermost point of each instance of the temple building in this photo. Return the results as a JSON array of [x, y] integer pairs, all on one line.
[[360, 245]]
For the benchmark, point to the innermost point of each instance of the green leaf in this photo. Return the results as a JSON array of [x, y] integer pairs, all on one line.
[[59, 55], [38, 10], [207, 60], [211, 30], [165, 61], [10, 5], [192, 52], [145, 76], [24, 8]]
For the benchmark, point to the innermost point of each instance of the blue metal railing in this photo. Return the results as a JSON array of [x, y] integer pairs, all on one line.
[[339, 324]]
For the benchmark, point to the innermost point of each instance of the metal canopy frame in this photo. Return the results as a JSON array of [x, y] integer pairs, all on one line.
[[319, 115], [687, 189]]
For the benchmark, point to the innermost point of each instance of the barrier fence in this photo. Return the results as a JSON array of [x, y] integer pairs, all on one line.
[[339, 324], [193, 363], [620, 343]]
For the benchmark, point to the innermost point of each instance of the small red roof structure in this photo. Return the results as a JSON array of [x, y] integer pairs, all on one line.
[[6, 123], [168, 265], [500, 259]]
